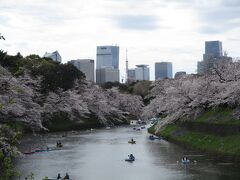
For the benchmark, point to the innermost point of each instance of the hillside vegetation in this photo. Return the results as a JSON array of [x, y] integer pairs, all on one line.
[[200, 111]]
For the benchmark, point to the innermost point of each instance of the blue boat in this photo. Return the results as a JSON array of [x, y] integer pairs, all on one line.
[[151, 137], [186, 161], [44, 150]]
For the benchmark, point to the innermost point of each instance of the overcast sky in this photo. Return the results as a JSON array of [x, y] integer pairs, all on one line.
[[151, 30]]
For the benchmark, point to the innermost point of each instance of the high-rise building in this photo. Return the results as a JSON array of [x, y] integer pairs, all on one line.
[[108, 56], [86, 66], [213, 49], [131, 75], [107, 64], [179, 74], [55, 56], [163, 70], [107, 74], [142, 72], [213, 55]]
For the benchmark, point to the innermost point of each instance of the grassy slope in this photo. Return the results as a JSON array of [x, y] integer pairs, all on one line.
[[223, 145]]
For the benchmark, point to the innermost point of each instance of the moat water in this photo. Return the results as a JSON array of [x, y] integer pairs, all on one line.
[[100, 154]]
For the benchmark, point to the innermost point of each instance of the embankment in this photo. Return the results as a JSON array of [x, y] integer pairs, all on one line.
[[215, 132]]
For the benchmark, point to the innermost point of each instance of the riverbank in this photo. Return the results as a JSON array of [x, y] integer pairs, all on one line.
[[62, 122], [215, 132]]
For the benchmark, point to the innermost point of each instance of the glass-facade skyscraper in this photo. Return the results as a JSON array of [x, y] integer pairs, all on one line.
[[163, 70], [213, 55], [108, 56], [142, 72], [213, 49], [107, 69]]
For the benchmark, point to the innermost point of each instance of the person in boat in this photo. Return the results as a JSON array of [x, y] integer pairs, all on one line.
[[59, 176], [66, 176], [184, 158], [132, 140], [59, 144], [131, 156]]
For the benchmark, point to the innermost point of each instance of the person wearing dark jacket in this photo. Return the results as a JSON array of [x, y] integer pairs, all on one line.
[[66, 176], [59, 176]]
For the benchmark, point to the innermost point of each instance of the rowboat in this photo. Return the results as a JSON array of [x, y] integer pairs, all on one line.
[[132, 142], [130, 159]]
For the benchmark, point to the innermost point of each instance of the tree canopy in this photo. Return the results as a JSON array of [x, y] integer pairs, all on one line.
[[54, 75]]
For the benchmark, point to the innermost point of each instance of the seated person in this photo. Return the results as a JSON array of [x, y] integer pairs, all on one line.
[[131, 156], [66, 176], [59, 176]]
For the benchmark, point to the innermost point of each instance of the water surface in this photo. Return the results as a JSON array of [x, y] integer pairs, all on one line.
[[100, 154]]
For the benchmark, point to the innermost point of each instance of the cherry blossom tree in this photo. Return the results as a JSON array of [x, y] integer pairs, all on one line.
[[189, 96]]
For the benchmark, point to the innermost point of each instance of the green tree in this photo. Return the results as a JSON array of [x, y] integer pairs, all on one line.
[[57, 76]]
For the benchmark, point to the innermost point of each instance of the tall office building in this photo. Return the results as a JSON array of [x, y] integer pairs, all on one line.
[[213, 49], [86, 66], [107, 74], [213, 55], [55, 56], [108, 56], [131, 75], [163, 70], [180, 74], [142, 72], [107, 64]]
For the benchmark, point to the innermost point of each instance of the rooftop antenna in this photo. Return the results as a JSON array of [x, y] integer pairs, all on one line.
[[126, 67]]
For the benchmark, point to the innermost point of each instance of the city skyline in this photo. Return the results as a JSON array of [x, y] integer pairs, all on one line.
[[153, 32]]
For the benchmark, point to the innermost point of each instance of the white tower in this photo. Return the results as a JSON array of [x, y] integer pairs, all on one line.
[[126, 79]]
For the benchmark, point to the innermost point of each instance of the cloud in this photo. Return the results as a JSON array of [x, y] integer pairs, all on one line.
[[141, 22], [150, 29], [230, 3], [222, 18], [234, 39]]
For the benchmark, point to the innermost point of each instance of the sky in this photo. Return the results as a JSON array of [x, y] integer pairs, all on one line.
[[151, 30]]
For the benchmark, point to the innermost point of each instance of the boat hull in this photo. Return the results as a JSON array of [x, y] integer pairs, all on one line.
[[130, 160], [132, 142]]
